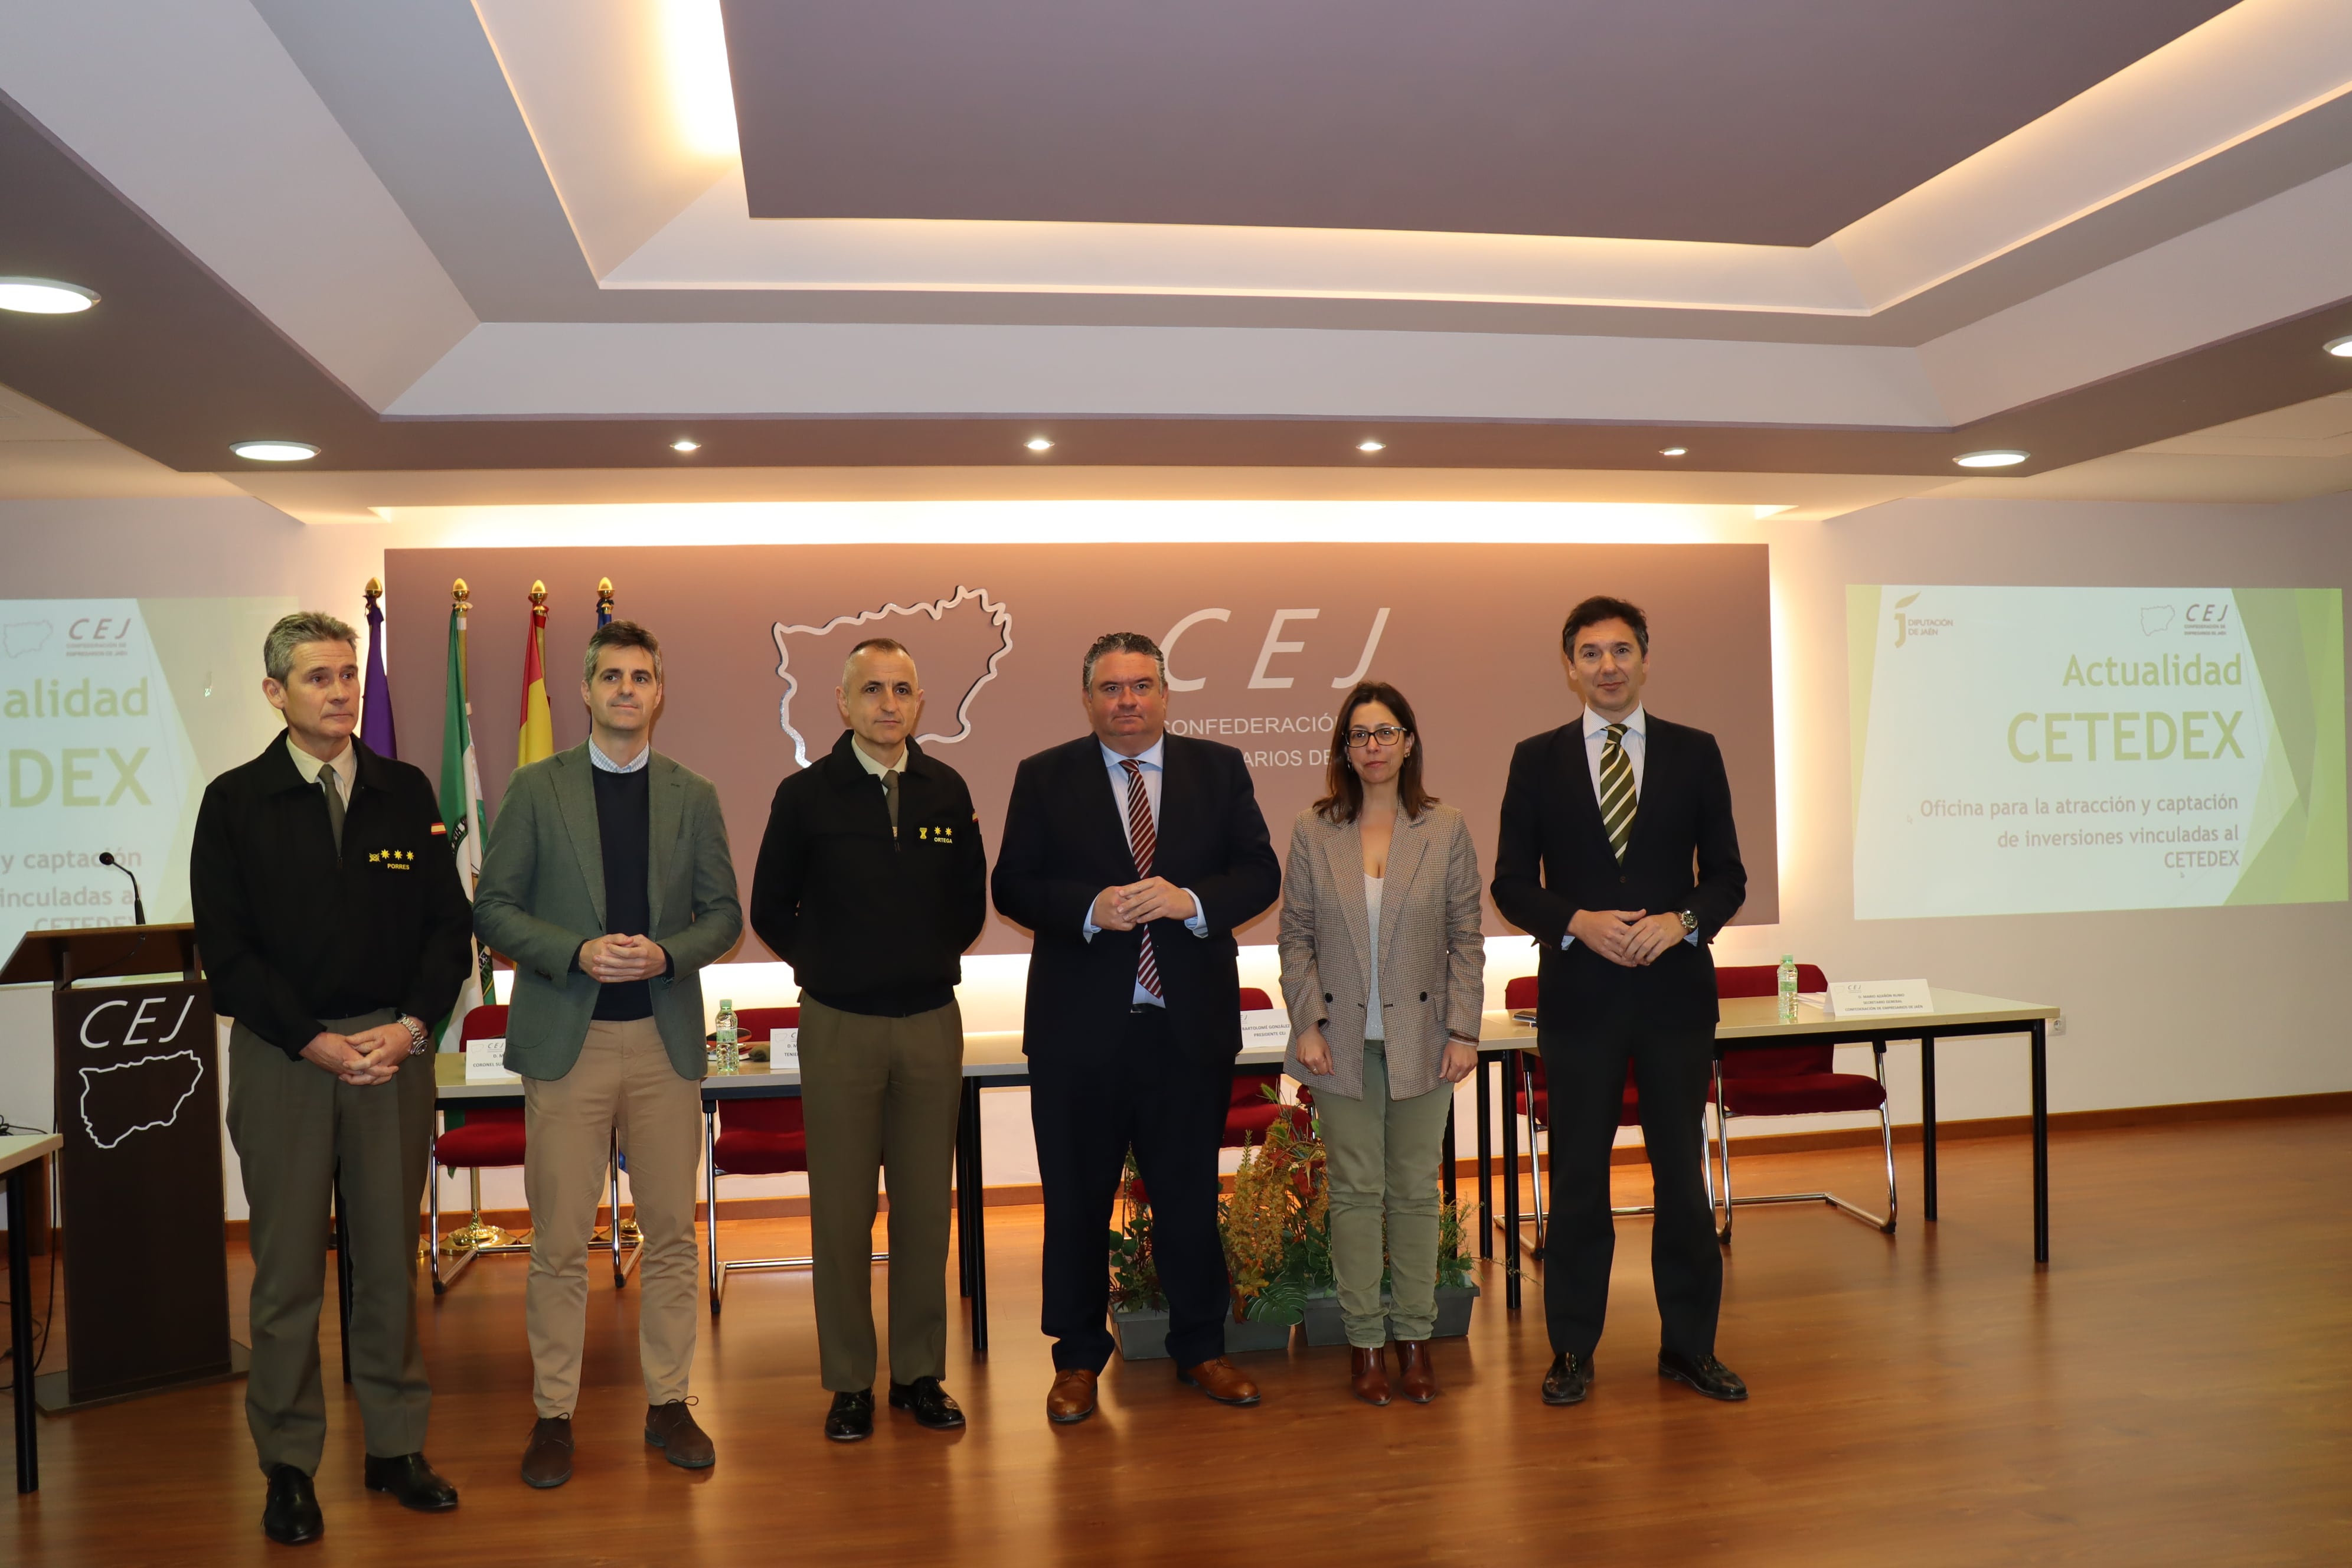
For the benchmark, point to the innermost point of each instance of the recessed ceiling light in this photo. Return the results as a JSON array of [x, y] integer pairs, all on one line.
[[1674, 451], [1038, 444], [1997, 458], [275, 451], [2340, 347], [44, 297], [686, 444], [1372, 445]]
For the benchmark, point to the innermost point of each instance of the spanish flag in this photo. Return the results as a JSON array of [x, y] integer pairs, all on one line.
[[538, 739]]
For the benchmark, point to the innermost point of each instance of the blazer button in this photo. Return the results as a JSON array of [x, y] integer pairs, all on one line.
[[1424, 996], [1326, 996]]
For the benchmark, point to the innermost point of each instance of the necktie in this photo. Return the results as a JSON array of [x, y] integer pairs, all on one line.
[[1143, 841], [1617, 799], [334, 806], [890, 796]]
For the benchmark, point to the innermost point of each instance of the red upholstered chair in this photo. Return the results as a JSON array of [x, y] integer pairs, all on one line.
[[1533, 1100], [765, 1137], [489, 1137], [1793, 1081], [1249, 1113]]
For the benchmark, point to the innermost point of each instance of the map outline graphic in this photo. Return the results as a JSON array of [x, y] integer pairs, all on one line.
[[999, 618], [82, 1104]]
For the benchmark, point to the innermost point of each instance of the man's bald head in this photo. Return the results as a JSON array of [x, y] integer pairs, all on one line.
[[879, 698]]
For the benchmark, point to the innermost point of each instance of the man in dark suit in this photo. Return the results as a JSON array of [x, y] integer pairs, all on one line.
[[333, 928], [1132, 855], [1618, 855]]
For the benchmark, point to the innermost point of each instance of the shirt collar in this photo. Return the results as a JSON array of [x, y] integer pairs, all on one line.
[[605, 764], [346, 763], [1150, 758], [1637, 722], [878, 769]]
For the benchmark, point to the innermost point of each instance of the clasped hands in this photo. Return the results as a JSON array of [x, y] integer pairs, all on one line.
[[1152, 898], [1626, 936], [609, 960], [368, 1058]]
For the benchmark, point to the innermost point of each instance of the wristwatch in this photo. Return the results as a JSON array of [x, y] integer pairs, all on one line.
[[418, 1040], [1690, 922]]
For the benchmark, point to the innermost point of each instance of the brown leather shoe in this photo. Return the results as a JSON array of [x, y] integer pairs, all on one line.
[[547, 1462], [1368, 1374], [1417, 1373], [671, 1428], [1072, 1397], [1220, 1380]]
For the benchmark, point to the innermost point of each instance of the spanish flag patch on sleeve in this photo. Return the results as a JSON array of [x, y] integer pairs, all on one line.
[[440, 830]]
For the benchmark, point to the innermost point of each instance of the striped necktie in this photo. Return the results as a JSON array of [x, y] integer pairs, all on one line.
[[1143, 840], [1617, 798]]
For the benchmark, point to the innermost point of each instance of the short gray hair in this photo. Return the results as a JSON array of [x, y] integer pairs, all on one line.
[[1120, 642], [620, 634], [292, 631], [873, 645]]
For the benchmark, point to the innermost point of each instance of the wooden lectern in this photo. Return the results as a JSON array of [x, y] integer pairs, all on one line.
[[139, 1107]]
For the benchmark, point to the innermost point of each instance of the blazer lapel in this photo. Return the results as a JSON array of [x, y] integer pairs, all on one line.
[[1407, 847], [1652, 772], [667, 806], [575, 796], [1343, 848]]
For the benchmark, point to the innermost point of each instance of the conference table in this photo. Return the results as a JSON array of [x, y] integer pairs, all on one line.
[[17, 1155], [992, 1059]]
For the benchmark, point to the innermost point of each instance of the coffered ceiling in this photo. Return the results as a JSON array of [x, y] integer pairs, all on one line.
[[1796, 238]]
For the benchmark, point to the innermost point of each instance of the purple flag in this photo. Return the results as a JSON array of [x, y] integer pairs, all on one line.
[[375, 700]]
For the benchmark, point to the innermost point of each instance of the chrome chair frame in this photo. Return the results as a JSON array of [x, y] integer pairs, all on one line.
[[442, 1280], [721, 1268], [1723, 1119]]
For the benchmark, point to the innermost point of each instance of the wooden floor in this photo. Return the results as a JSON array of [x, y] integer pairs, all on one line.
[[2175, 1388]]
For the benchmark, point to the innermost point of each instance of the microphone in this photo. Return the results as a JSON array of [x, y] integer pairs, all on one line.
[[138, 905]]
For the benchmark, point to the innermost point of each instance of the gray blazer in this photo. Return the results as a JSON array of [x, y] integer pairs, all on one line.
[[542, 894], [1433, 954]]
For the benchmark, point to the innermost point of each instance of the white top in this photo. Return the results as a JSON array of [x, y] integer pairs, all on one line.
[[1375, 1027]]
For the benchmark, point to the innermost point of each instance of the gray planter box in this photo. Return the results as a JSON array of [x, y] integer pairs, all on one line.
[[1143, 1336], [1324, 1325]]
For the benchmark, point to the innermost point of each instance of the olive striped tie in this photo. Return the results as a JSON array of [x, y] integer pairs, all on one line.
[[1617, 798]]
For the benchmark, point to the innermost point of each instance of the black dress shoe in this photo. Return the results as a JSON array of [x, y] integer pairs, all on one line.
[[927, 1403], [1706, 1375], [851, 1417], [1568, 1381], [290, 1515], [411, 1483]]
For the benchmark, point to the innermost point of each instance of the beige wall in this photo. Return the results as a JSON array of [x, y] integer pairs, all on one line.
[[2160, 1007]]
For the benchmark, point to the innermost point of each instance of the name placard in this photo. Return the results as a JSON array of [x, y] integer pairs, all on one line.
[[784, 1050], [1872, 998], [485, 1062], [1264, 1029]]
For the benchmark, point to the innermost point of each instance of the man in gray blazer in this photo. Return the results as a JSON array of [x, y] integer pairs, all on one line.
[[609, 883]]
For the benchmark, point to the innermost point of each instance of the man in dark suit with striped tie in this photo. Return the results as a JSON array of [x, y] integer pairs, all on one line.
[[1618, 855], [1132, 855]]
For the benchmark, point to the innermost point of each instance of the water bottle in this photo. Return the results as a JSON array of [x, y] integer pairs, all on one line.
[[731, 1054], [1788, 989]]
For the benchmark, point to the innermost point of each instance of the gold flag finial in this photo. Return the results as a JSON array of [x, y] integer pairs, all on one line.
[[457, 594], [605, 598], [538, 592], [605, 587], [374, 590]]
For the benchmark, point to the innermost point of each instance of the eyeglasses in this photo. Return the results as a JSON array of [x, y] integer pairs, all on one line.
[[1387, 735]]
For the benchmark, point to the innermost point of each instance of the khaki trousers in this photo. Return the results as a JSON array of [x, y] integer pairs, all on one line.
[[297, 1128], [880, 1096], [622, 1085], [1383, 1157]]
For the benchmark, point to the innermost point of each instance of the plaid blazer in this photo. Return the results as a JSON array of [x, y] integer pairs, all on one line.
[[1432, 954]]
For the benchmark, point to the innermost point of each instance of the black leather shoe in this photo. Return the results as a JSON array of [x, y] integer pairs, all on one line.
[[1568, 1381], [290, 1515], [411, 1483], [851, 1417], [1706, 1375], [927, 1403]]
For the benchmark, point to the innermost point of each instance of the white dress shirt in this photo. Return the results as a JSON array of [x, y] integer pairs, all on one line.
[[602, 763], [344, 765], [1150, 759], [1635, 744]]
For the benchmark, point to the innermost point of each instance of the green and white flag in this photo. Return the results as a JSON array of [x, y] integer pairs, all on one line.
[[463, 814]]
